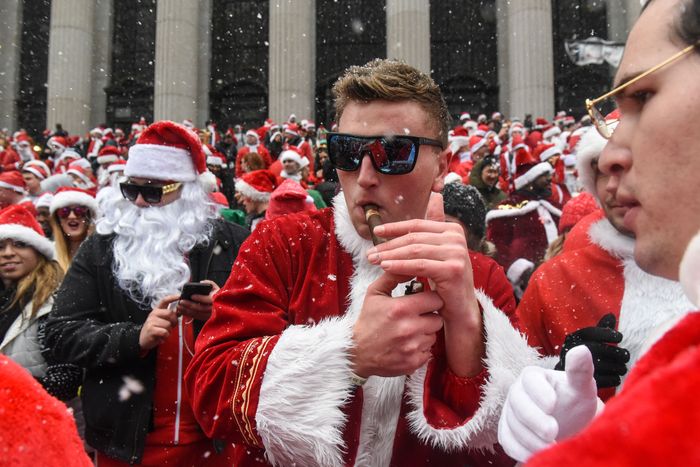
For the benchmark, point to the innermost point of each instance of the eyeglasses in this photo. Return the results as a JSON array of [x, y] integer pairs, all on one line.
[[390, 155], [79, 211], [601, 106], [152, 194]]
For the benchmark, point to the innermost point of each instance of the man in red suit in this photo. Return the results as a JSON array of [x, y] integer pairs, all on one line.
[[525, 223], [252, 144], [653, 420], [314, 355], [606, 280]]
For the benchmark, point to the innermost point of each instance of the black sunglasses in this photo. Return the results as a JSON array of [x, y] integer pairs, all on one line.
[[152, 194], [79, 211], [390, 155]]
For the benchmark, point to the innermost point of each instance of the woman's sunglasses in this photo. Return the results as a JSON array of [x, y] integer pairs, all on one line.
[[390, 155], [152, 194], [79, 211]]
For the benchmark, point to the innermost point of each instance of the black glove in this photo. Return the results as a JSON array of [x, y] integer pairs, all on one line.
[[62, 380], [609, 360]]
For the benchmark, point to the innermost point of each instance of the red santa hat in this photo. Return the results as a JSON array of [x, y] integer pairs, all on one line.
[[541, 123], [551, 132], [464, 116], [69, 153], [44, 201], [78, 169], [477, 142], [17, 223], [13, 180], [57, 143], [516, 127], [108, 154], [38, 168], [544, 151], [214, 157], [219, 198], [69, 196], [588, 150], [290, 155], [253, 133], [576, 209], [257, 185], [36, 428], [528, 172], [166, 151], [288, 198], [117, 166], [97, 131]]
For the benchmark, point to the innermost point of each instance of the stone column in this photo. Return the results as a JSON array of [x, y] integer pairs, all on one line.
[[101, 61], [292, 59], [10, 47], [530, 52], [408, 32], [204, 75], [616, 12], [70, 65], [502, 51], [176, 67]]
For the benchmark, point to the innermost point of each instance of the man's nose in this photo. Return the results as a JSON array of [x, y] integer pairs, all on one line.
[[367, 176], [140, 202], [615, 159]]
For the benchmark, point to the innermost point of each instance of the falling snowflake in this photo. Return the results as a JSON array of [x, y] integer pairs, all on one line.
[[130, 386]]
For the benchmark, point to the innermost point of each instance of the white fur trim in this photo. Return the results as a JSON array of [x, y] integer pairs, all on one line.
[[70, 198], [519, 267], [507, 353], [290, 155], [647, 304], [453, 177], [689, 271], [107, 158], [34, 171], [588, 150], [551, 152], [247, 190], [554, 131], [15, 188], [299, 425], [550, 227], [482, 142], [531, 205], [29, 236], [80, 175], [160, 162], [213, 160], [116, 168], [603, 234], [532, 174]]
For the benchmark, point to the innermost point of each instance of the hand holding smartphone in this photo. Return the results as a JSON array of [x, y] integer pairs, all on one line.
[[195, 288]]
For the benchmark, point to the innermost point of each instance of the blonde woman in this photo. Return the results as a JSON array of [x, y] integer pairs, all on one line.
[[73, 213]]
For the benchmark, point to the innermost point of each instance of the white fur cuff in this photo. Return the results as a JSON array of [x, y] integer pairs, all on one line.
[[507, 353], [307, 380]]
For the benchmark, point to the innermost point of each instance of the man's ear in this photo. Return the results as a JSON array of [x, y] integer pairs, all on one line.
[[443, 164]]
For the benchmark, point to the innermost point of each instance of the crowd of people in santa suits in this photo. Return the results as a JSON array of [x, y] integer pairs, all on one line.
[[538, 221]]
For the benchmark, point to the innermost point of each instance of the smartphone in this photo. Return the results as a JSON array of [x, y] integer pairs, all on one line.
[[194, 288]]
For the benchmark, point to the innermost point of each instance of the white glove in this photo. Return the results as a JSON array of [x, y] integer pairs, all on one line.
[[544, 406]]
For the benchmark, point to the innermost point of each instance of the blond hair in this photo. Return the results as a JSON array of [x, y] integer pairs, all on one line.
[[39, 284], [394, 81], [63, 253]]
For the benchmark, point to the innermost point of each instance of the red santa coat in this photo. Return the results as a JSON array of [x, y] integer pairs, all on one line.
[[654, 419], [576, 288], [271, 368], [9, 160], [260, 149], [522, 228]]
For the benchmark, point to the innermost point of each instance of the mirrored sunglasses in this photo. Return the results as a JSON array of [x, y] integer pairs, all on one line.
[[390, 155]]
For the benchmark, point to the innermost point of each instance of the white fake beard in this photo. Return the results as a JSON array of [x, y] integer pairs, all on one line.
[[151, 243]]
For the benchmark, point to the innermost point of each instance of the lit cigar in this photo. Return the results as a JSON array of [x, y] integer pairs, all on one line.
[[373, 220]]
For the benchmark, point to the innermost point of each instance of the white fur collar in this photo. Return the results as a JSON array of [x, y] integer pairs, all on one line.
[[603, 234], [348, 237]]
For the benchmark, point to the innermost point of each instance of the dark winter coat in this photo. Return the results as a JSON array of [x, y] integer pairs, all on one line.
[[96, 325]]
